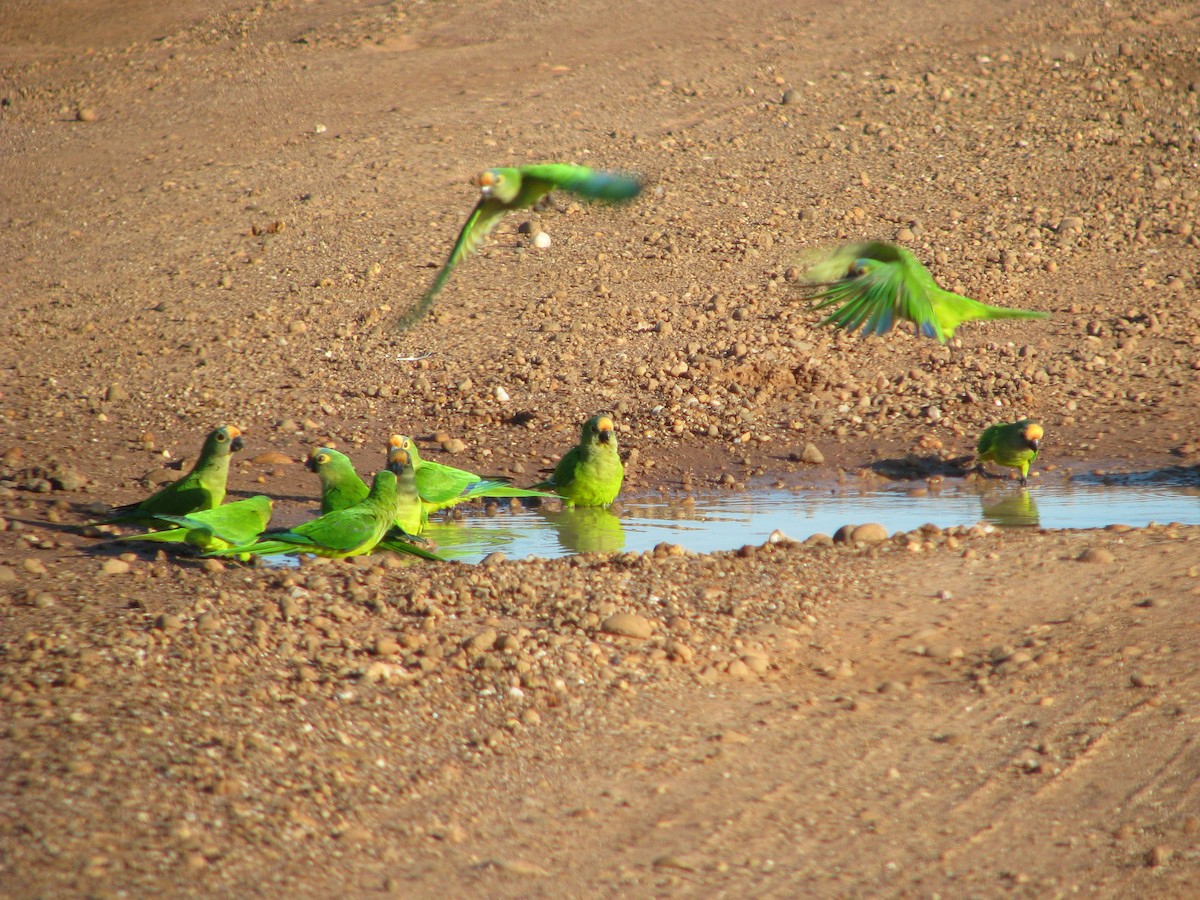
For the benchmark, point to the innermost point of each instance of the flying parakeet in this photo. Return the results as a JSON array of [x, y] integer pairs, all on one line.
[[228, 525], [591, 472], [442, 486], [353, 531], [1014, 445], [201, 488], [504, 189], [875, 284]]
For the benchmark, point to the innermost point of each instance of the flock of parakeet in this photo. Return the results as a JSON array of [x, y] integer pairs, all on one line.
[[355, 519], [869, 286]]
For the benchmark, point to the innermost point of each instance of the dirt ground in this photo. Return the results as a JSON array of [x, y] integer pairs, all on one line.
[[215, 212]]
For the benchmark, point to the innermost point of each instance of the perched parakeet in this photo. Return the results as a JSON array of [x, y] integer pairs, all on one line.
[[591, 472], [228, 525], [505, 189], [201, 488], [875, 284], [341, 485], [1014, 445], [442, 486], [353, 531]]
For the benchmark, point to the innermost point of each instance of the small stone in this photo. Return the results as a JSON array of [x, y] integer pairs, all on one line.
[[34, 566], [1096, 555], [86, 114], [494, 558], [812, 455], [168, 622], [870, 533], [501, 394], [483, 641], [208, 623], [844, 534], [212, 566], [273, 458], [629, 625], [1158, 855], [542, 240], [739, 669], [114, 567], [791, 97], [386, 646], [757, 661], [116, 392], [454, 446]]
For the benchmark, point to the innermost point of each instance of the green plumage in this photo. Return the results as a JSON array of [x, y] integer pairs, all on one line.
[[591, 472], [353, 531], [1015, 445], [201, 488], [441, 486], [874, 285], [228, 525], [341, 487], [505, 189]]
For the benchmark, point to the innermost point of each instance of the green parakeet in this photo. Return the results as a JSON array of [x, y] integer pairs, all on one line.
[[228, 525], [353, 531], [341, 485], [442, 486], [591, 472], [1015, 445], [875, 284], [201, 488], [1012, 509], [504, 189]]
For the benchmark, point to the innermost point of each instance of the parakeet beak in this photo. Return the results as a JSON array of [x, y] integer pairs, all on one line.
[[311, 463], [398, 460], [486, 181], [604, 430], [1033, 436], [237, 443]]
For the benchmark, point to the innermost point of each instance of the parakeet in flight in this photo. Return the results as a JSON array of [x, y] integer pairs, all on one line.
[[875, 284], [502, 190], [228, 525], [442, 486], [1015, 445], [201, 488], [354, 531], [591, 472]]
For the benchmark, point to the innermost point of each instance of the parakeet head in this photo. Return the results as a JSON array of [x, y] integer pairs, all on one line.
[[600, 428], [399, 459], [1033, 435], [318, 459], [500, 184], [226, 439]]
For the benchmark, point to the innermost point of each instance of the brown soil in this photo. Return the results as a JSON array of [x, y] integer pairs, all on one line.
[[216, 212]]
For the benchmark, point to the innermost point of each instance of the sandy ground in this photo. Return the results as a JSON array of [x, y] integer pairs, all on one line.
[[215, 212]]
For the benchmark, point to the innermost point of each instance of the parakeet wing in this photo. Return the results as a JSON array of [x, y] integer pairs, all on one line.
[[613, 187]]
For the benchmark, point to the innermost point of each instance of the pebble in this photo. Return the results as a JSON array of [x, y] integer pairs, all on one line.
[[629, 625], [86, 114], [1159, 855], [1096, 555], [790, 97], [870, 533], [168, 622], [35, 566], [811, 455], [542, 240], [114, 567]]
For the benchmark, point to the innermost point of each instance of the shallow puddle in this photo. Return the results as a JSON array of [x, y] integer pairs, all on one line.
[[726, 521]]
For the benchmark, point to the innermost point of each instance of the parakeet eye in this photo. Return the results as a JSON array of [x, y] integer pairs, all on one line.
[[222, 436]]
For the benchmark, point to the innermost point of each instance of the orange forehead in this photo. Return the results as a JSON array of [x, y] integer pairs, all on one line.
[[604, 424], [1034, 432], [486, 179], [399, 455], [233, 431]]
